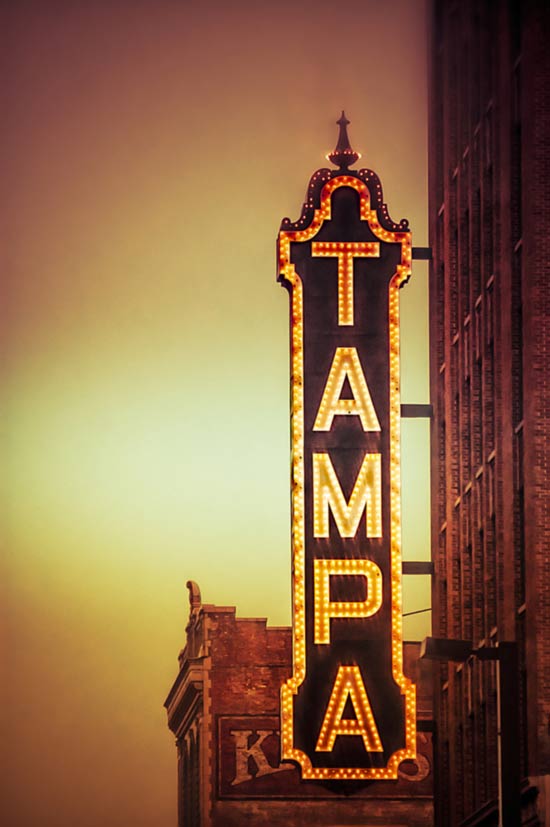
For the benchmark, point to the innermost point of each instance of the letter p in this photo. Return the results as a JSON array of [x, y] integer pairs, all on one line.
[[325, 608]]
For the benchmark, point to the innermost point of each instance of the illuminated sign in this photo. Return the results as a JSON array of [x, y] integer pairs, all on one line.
[[348, 711]]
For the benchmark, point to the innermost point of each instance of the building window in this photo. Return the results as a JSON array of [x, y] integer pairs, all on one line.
[[490, 551], [519, 516], [488, 138], [465, 262], [490, 312], [487, 223], [456, 563], [479, 559], [444, 804], [459, 752], [521, 638], [443, 592], [466, 349], [440, 304], [475, 251], [478, 330], [489, 387], [453, 262], [517, 337], [467, 573]]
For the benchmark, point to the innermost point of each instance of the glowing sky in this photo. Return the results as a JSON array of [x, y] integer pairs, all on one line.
[[150, 150]]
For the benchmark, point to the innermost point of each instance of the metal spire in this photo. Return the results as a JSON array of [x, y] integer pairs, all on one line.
[[343, 156]]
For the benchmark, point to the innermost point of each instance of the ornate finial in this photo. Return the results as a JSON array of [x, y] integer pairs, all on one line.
[[194, 596], [343, 156], [193, 638]]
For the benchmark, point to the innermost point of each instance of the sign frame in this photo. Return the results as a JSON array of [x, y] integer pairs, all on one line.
[[318, 210]]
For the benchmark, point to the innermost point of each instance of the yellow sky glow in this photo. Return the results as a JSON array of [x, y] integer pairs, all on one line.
[[150, 151]]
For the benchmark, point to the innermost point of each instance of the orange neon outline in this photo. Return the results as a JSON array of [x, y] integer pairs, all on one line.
[[290, 688]]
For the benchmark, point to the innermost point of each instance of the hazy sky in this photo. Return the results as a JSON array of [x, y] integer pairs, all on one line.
[[150, 149]]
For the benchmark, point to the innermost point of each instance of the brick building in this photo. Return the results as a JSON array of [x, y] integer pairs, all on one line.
[[490, 389], [224, 711]]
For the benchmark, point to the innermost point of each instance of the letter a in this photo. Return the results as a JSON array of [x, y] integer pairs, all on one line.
[[346, 364], [349, 684]]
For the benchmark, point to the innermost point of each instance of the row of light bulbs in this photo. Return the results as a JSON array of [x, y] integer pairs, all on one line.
[[346, 365], [346, 252], [349, 684], [325, 609], [366, 494]]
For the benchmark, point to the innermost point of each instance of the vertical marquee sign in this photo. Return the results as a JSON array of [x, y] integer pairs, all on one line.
[[348, 711]]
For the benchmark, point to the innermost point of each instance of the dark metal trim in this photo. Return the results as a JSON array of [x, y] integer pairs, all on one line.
[[418, 567], [417, 411], [422, 253]]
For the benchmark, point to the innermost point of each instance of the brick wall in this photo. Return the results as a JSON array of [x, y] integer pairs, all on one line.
[[489, 325], [240, 664]]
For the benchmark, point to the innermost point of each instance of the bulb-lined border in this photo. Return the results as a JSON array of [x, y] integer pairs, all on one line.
[[290, 688]]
